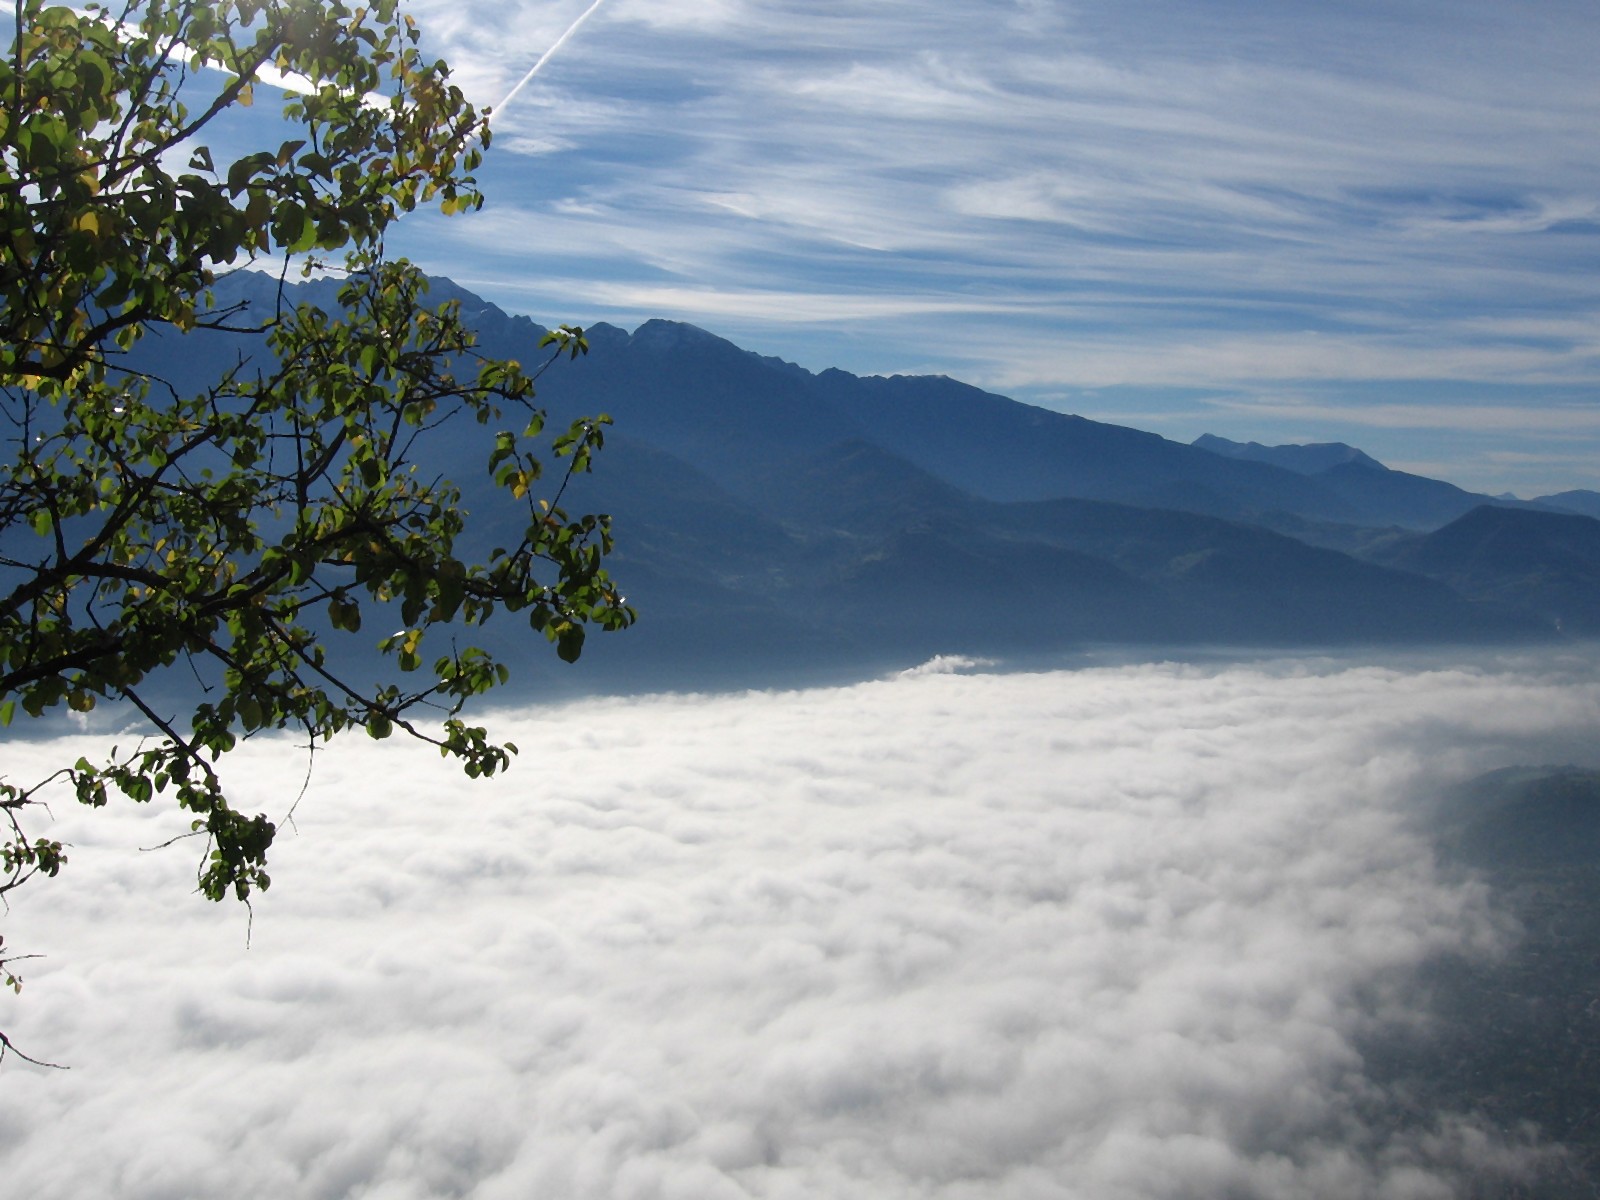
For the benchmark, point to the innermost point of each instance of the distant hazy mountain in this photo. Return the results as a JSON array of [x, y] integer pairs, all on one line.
[[722, 409], [731, 412], [1585, 502], [772, 520], [853, 554], [1392, 497], [1310, 459], [1544, 563]]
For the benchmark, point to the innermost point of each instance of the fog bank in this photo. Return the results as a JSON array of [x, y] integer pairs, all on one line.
[[1114, 933]]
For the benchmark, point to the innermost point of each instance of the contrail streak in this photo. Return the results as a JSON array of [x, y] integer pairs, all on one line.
[[545, 57]]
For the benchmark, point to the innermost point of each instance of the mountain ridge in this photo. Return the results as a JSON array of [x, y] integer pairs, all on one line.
[[774, 522]]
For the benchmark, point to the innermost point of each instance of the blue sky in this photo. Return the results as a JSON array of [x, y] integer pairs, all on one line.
[[1368, 222]]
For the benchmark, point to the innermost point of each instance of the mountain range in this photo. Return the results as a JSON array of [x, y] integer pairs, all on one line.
[[776, 523]]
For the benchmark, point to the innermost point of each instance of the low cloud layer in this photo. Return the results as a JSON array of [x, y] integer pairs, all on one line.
[[1115, 933]]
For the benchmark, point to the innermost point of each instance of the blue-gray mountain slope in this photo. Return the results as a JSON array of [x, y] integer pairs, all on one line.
[[771, 521]]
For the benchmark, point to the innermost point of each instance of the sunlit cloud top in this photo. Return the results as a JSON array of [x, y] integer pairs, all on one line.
[[1121, 933]]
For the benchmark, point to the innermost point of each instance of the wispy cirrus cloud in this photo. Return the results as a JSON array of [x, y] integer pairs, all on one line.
[[1500, 418], [1412, 184]]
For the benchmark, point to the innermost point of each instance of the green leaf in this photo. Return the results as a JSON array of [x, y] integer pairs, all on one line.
[[569, 642], [291, 228], [203, 543]]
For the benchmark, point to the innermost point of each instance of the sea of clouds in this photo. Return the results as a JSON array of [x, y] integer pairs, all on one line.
[[1109, 933]]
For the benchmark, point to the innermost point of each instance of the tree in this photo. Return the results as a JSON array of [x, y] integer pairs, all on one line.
[[232, 542]]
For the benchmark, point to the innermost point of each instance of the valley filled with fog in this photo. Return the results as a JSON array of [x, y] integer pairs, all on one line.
[[1154, 930], [1082, 530]]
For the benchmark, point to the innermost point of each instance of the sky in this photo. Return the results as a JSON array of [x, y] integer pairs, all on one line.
[[1292, 221], [1114, 934]]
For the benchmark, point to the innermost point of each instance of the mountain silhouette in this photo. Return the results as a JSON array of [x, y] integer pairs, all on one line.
[[775, 522], [1544, 563]]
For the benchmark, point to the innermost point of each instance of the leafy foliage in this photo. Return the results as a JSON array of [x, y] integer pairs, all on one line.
[[238, 539]]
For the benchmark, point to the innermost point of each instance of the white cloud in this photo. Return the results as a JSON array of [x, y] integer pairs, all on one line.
[[490, 44], [1538, 215], [1553, 420], [1192, 360], [947, 664], [702, 15], [1111, 933], [1043, 196], [826, 308], [1409, 186]]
